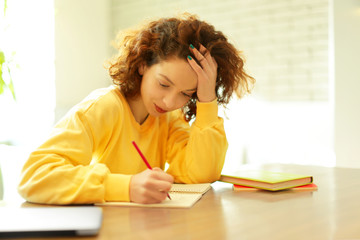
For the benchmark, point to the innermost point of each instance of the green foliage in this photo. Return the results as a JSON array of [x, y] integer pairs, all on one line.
[[5, 6], [4, 67], [5, 84]]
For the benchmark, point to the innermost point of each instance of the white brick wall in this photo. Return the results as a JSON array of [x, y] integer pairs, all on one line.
[[285, 41]]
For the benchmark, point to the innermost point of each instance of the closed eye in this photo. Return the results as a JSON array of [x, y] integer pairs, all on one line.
[[187, 95], [163, 85]]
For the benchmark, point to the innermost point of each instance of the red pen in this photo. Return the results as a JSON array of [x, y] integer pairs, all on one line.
[[145, 161]]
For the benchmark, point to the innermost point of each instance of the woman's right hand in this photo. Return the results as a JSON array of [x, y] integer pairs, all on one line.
[[150, 186]]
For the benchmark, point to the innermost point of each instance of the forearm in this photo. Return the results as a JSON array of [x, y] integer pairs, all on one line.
[[51, 179], [201, 156]]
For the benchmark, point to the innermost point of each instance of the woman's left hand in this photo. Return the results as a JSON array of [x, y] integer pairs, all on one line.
[[206, 73]]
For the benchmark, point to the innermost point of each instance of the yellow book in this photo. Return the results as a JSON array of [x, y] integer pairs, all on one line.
[[272, 181], [182, 196]]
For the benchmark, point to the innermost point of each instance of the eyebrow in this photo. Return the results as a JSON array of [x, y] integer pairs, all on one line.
[[167, 79]]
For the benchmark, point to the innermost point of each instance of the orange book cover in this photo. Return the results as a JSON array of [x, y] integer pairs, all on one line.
[[308, 187]]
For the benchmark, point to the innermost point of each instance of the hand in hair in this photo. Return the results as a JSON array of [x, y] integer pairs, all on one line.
[[206, 73]]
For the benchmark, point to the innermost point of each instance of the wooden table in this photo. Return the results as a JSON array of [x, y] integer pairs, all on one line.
[[331, 212]]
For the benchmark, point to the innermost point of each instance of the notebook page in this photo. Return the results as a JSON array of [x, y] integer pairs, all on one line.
[[177, 201], [190, 188]]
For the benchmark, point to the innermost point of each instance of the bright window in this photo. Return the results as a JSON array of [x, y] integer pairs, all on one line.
[[27, 39], [27, 34]]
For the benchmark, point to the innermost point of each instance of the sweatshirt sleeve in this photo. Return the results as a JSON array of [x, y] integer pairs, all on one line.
[[197, 154], [63, 171]]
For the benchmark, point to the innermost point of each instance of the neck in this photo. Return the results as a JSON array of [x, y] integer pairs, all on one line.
[[138, 109]]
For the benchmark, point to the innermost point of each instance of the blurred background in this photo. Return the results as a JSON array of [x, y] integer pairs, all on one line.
[[304, 55]]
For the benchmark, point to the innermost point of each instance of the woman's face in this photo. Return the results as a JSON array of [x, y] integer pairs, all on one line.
[[167, 86]]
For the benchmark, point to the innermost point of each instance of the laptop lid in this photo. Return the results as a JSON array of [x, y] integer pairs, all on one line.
[[50, 221]]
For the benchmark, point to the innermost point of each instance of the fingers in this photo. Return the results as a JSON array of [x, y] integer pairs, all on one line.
[[206, 72], [210, 60], [201, 57], [204, 57], [161, 175], [203, 70], [150, 186]]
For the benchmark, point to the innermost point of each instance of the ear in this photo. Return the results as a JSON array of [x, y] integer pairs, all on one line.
[[141, 69]]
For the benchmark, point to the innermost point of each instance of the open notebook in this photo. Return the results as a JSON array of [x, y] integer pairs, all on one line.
[[182, 196]]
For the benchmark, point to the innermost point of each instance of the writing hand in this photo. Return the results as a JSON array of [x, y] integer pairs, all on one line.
[[150, 186], [206, 73]]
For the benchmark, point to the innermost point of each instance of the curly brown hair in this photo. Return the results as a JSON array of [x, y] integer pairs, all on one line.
[[166, 38]]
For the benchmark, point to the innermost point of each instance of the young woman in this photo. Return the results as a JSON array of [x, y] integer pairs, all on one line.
[[168, 72]]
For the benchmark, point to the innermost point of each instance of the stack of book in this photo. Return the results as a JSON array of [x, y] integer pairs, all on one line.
[[254, 180]]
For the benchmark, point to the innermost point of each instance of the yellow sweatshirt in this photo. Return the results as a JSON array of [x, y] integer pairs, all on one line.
[[89, 156]]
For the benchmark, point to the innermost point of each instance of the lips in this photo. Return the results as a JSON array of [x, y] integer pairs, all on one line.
[[159, 109]]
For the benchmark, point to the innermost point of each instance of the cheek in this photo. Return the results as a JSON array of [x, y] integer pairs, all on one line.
[[147, 87], [181, 102], [155, 90]]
